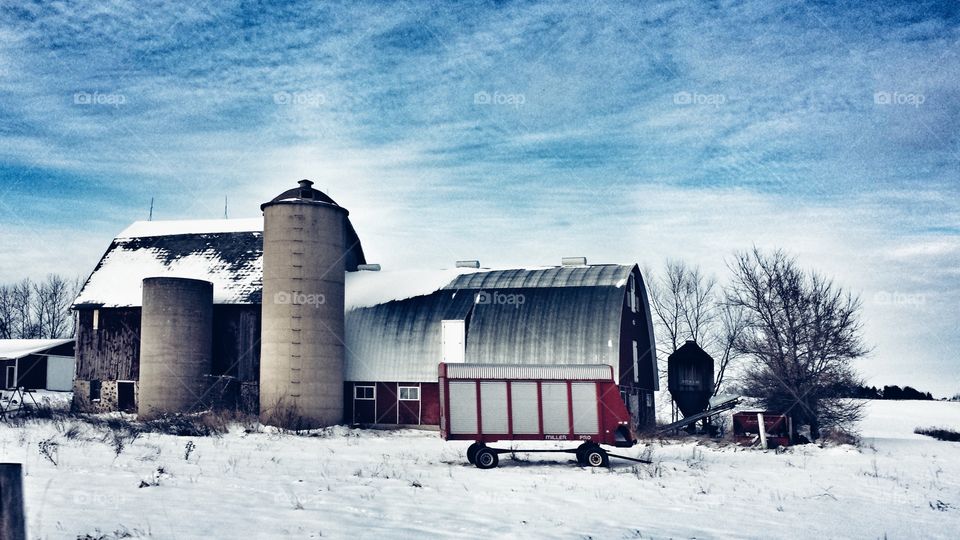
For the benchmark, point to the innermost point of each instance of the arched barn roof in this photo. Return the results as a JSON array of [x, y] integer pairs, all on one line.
[[556, 315]]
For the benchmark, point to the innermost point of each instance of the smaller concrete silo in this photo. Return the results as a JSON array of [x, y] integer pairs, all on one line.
[[176, 336]]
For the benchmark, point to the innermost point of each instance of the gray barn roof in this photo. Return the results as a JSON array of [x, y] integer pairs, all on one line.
[[569, 315]]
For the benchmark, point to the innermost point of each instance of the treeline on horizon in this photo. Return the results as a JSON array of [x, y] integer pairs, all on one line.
[[890, 392]]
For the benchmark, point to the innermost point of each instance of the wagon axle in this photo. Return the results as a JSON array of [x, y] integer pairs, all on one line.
[[588, 454]]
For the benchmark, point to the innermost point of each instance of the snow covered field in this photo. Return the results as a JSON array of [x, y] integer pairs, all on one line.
[[406, 484]]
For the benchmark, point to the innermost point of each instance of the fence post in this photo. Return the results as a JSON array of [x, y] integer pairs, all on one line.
[[12, 523], [763, 431]]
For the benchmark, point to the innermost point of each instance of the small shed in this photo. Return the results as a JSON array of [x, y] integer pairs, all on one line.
[[37, 364]]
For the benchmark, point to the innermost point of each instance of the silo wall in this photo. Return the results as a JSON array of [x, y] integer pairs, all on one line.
[[302, 342], [176, 333]]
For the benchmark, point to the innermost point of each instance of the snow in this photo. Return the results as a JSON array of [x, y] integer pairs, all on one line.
[[18, 348], [119, 280], [143, 229], [346, 483]]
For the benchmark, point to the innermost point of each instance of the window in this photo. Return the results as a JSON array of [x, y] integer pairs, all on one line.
[[96, 320], [364, 392], [409, 393], [632, 294], [94, 390]]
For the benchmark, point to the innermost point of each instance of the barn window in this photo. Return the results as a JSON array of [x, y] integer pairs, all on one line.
[[94, 390], [409, 393], [96, 319], [632, 294], [364, 392]]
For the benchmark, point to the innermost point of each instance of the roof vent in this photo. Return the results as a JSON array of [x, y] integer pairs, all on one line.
[[369, 267], [574, 261], [306, 189], [468, 264]]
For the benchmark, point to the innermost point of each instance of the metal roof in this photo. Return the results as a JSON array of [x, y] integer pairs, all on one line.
[[563, 315], [11, 349], [609, 275]]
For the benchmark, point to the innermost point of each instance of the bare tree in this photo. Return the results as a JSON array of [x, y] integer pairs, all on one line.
[[666, 297], [6, 312], [22, 304], [52, 300], [802, 335], [732, 323], [31, 310], [688, 306]]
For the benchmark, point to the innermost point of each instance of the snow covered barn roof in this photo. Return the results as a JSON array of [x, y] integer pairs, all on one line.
[[568, 315], [12, 349], [227, 252]]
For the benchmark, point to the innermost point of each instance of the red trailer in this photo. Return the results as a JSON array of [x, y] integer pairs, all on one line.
[[486, 403]]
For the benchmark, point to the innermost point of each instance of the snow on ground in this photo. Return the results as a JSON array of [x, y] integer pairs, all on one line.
[[377, 484]]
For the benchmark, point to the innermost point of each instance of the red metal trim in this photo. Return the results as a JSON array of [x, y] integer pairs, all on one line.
[[601, 420], [540, 407], [509, 408], [445, 406], [479, 410], [570, 407]]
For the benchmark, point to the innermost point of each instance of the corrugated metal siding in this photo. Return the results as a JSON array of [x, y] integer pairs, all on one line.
[[526, 410], [589, 372], [585, 419], [556, 415], [463, 407], [493, 407]]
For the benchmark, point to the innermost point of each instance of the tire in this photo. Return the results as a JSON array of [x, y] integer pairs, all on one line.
[[486, 459], [581, 454], [596, 457], [472, 452]]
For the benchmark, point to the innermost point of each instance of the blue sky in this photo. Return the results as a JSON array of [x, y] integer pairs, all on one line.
[[515, 133]]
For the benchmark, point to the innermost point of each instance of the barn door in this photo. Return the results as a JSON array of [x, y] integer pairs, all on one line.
[[126, 401], [364, 404]]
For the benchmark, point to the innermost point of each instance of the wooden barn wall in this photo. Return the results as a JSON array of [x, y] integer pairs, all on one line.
[[112, 351], [236, 341]]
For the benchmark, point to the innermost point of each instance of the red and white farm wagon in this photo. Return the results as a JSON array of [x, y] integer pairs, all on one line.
[[486, 403]]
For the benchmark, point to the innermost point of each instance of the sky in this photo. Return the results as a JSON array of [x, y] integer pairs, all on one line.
[[511, 132]]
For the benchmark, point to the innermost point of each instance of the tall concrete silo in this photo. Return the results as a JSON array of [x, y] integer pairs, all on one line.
[[302, 351], [176, 336]]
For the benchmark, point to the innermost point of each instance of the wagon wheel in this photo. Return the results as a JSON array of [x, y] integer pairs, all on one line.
[[596, 457], [486, 458], [472, 452], [581, 454]]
